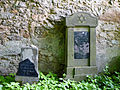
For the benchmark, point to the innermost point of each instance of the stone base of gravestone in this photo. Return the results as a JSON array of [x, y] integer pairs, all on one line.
[[28, 66], [80, 73], [25, 79]]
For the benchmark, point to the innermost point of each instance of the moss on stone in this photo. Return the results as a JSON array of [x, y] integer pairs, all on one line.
[[114, 64]]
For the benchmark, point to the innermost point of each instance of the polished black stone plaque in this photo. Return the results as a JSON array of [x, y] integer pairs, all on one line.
[[27, 68], [81, 45]]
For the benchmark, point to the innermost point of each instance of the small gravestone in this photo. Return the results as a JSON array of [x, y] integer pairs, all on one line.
[[28, 66], [80, 46]]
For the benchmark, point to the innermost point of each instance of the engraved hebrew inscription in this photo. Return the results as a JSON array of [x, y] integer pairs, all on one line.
[[81, 45], [27, 68]]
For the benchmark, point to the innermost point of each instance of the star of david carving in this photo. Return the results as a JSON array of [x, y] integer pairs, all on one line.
[[81, 18]]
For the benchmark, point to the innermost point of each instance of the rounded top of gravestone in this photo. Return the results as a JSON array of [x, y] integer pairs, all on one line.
[[81, 19]]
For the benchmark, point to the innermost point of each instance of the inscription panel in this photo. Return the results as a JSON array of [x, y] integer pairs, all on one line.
[[27, 68], [81, 45]]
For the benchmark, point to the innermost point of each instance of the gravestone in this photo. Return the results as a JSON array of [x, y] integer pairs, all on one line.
[[80, 46], [28, 66]]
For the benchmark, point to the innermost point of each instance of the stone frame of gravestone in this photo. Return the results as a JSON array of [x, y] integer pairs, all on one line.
[[28, 66], [80, 46]]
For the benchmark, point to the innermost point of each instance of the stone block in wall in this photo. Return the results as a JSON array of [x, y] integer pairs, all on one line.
[[22, 4], [111, 15], [11, 48], [6, 15]]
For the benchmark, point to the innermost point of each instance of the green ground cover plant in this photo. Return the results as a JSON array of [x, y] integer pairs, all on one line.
[[104, 81]]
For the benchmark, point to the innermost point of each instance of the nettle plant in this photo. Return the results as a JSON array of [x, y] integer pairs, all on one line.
[[104, 81]]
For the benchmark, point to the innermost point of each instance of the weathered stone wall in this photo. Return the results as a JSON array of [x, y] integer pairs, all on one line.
[[41, 22]]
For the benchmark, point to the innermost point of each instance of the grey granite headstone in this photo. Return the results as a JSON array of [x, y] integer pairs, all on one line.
[[80, 46], [28, 66]]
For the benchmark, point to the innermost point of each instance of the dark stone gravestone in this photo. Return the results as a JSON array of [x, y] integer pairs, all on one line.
[[28, 66], [80, 46]]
